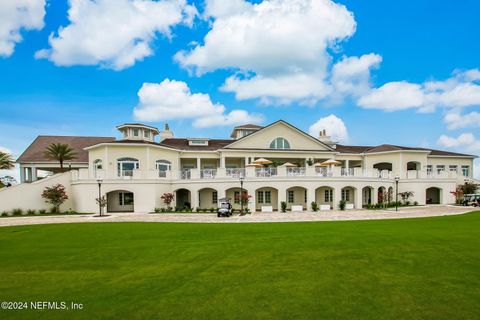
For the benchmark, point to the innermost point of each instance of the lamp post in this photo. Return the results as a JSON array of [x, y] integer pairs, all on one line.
[[396, 193], [99, 181], [241, 194]]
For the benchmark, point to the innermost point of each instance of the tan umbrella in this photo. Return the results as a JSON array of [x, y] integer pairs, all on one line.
[[330, 162], [288, 164], [262, 161], [256, 165], [318, 164]]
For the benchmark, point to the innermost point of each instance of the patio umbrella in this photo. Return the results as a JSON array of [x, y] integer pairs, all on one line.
[[331, 162], [288, 164], [262, 161], [318, 164], [256, 165]]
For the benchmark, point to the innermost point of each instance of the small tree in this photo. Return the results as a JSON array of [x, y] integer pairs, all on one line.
[[6, 161], [102, 202], [284, 206], [309, 162], [314, 206], [405, 196], [342, 205], [168, 198], [458, 194], [55, 195], [469, 188]]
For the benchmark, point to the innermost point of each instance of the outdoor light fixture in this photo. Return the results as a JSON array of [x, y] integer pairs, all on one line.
[[99, 181], [396, 193], [241, 193]]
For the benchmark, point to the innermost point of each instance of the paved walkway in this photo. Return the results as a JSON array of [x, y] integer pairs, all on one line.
[[412, 212]]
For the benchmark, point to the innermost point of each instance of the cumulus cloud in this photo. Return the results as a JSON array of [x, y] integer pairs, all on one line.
[[461, 90], [171, 99], [16, 15], [464, 140], [334, 126], [456, 120], [279, 47], [114, 33]]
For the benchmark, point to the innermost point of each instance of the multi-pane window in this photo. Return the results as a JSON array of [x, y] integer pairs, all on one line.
[[345, 195], [214, 197], [280, 143], [291, 196], [453, 168], [125, 198], [429, 168], [236, 196], [440, 168], [125, 166], [146, 134], [305, 196], [135, 132], [264, 197], [328, 195], [466, 171], [163, 166]]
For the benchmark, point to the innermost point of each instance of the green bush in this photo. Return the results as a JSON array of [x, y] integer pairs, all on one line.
[[342, 204], [42, 211], [31, 211], [314, 206], [415, 203], [53, 210], [4, 214], [407, 203], [17, 212], [247, 211], [283, 204], [212, 210], [157, 210]]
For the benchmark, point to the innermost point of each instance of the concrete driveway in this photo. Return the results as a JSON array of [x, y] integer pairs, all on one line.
[[411, 212]]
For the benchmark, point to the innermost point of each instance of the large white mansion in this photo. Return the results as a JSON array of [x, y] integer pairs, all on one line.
[[138, 168]]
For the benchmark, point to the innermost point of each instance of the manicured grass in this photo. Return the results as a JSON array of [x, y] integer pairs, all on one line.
[[393, 269]]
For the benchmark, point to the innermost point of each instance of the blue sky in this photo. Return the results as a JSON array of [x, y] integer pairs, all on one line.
[[63, 90]]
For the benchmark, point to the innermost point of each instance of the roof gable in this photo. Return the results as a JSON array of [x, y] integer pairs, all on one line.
[[261, 139]]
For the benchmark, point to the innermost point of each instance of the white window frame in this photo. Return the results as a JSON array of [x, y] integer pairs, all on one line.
[[122, 161], [345, 194], [467, 169], [291, 196], [328, 195], [280, 143]]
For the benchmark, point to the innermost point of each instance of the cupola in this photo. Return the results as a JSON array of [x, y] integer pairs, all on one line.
[[136, 131]]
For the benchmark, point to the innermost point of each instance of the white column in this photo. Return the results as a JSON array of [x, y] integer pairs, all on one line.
[[347, 166], [246, 161], [22, 174], [358, 195], [252, 202], [310, 197], [282, 196], [34, 173], [375, 196], [337, 196], [194, 199], [222, 161], [199, 163], [106, 164]]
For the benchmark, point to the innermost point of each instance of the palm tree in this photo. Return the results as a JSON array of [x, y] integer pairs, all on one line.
[[6, 161], [60, 152]]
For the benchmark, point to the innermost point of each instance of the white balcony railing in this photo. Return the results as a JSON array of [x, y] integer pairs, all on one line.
[[296, 172], [235, 172], [347, 172], [208, 173], [265, 172], [323, 172], [185, 174]]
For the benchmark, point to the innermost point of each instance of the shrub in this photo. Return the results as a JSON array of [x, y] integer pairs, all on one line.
[[284, 206], [407, 203], [53, 210], [55, 195], [212, 209], [314, 206], [3, 214], [31, 211], [342, 204], [246, 210], [17, 212], [42, 211], [167, 198], [415, 203], [157, 210]]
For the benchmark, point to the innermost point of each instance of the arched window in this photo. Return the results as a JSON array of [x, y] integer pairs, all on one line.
[[280, 143], [125, 166], [163, 166], [97, 165]]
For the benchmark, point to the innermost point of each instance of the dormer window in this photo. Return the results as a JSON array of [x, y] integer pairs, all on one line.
[[135, 132], [280, 143], [138, 132], [198, 142], [146, 134]]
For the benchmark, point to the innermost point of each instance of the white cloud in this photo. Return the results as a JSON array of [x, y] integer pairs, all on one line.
[[280, 44], [171, 99], [351, 75], [456, 120], [16, 15], [465, 140], [114, 33], [459, 91], [334, 126]]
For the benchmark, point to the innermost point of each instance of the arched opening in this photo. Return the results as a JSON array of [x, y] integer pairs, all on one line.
[[97, 166], [390, 195], [433, 195], [183, 198], [413, 165], [382, 195], [266, 197], [120, 201], [367, 196], [324, 196], [296, 196], [280, 143], [348, 195], [234, 196], [207, 198], [383, 166]]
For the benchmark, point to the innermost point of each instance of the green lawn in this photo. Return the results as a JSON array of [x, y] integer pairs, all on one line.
[[392, 269]]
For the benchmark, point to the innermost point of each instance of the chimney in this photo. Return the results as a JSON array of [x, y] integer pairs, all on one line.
[[166, 133], [327, 139]]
